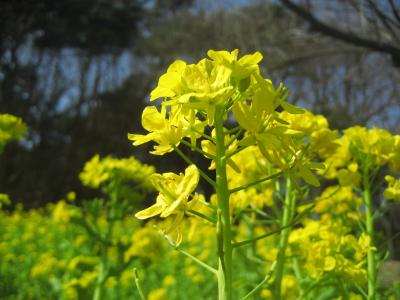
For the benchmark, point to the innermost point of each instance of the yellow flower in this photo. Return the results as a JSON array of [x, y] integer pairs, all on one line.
[[271, 138], [337, 200], [98, 172], [158, 294], [375, 142], [71, 196], [199, 86], [203, 86], [362, 246], [4, 200], [173, 199], [145, 243], [392, 192], [11, 128], [276, 141], [253, 166], [241, 68], [206, 86], [266, 294], [167, 132], [82, 260], [87, 278], [111, 282], [169, 280], [63, 212], [373, 148], [394, 162], [46, 265], [315, 129], [349, 176], [211, 149], [69, 291], [93, 173], [258, 115], [355, 297], [169, 84]]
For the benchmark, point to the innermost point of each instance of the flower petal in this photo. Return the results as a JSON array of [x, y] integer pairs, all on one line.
[[151, 211], [189, 182]]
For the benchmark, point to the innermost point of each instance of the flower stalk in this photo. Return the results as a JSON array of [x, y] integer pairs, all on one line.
[[224, 222], [288, 211], [371, 269]]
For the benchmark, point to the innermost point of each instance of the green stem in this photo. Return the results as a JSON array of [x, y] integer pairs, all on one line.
[[370, 232], [206, 136], [292, 223], [196, 260], [247, 185], [288, 210], [224, 231], [263, 236], [235, 152], [266, 278], [99, 283], [309, 289], [234, 138], [199, 214], [195, 148], [137, 283], [104, 264], [190, 162]]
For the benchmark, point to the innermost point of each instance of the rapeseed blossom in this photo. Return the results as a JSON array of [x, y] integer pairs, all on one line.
[[253, 166], [11, 128], [166, 129], [392, 192], [359, 148], [328, 248], [174, 198], [99, 171], [4, 200]]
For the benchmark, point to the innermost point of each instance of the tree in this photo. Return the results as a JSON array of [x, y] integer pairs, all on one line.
[[59, 60], [328, 76], [376, 26]]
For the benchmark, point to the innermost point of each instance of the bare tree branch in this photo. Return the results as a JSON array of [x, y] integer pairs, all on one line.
[[386, 21], [347, 37], [395, 10]]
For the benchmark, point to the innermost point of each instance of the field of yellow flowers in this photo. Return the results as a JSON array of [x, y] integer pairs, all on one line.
[[293, 213]]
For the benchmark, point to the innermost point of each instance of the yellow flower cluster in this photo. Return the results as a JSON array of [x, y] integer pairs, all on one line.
[[98, 172], [358, 144], [222, 84], [11, 128], [329, 248], [145, 243], [47, 264], [253, 166], [392, 192], [339, 202], [4, 200], [315, 129]]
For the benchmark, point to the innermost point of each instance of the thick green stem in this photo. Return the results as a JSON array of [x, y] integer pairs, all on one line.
[[288, 210], [224, 223], [370, 232]]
